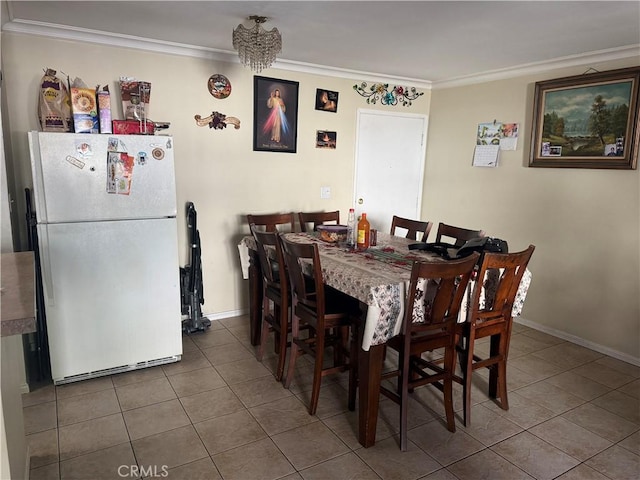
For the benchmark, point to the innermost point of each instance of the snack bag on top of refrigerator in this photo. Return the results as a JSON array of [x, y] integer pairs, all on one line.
[[135, 96], [54, 108]]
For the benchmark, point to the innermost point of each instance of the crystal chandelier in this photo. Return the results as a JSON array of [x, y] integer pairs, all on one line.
[[257, 48]]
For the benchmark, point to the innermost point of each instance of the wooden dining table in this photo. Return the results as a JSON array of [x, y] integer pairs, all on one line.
[[378, 278]]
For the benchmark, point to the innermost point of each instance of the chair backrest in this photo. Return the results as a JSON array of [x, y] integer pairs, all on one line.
[[317, 218], [459, 234], [271, 221], [413, 227], [501, 274], [436, 291], [305, 275], [272, 264]]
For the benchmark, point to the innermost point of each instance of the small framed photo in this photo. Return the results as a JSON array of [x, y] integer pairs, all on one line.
[[275, 115], [326, 139], [587, 121], [326, 100]]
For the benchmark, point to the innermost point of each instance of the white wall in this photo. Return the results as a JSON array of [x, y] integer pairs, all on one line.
[[585, 223]]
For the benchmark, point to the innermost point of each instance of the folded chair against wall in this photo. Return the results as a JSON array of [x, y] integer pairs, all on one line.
[[327, 313], [317, 218], [432, 305], [490, 315], [275, 291], [458, 234], [413, 227]]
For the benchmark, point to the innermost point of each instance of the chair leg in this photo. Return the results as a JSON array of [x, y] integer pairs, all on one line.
[[282, 353], [493, 370], [403, 392], [449, 359], [466, 365], [293, 355], [317, 371], [264, 336]]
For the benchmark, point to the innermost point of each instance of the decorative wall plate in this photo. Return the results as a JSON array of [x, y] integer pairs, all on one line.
[[219, 86]]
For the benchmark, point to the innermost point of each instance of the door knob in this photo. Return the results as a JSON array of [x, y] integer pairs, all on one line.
[[360, 201]]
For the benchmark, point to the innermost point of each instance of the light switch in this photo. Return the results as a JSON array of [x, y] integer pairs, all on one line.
[[325, 192]]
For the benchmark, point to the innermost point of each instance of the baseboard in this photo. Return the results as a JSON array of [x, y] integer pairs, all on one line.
[[579, 341], [228, 314]]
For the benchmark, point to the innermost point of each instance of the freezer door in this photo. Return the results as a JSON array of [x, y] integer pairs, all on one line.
[[71, 177], [112, 295]]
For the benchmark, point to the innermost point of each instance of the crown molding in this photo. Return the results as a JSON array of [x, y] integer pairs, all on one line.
[[628, 51], [173, 48], [83, 35]]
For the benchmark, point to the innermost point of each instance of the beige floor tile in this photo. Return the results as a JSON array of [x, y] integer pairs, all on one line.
[[601, 422], [211, 404], [570, 438], [582, 472], [488, 427], [84, 407], [48, 472], [40, 417], [281, 415], [43, 447], [203, 469], [632, 443], [441, 444], [92, 435], [260, 460], [82, 387], [169, 449], [191, 360], [536, 366], [45, 393], [528, 344], [387, 460], [568, 355], [604, 374], [227, 353], [233, 322], [242, 371], [632, 389], [616, 462], [345, 426], [196, 381], [522, 411], [109, 463], [537, 335], [259, 391], [578, 385], [442, 474], [135, 376], [309, 445], [620, 366], [486, 465], [157, 418], [621, 404], [145, 393], [229, 431], [551, 397], [333, 399], [344, 466], [536, 457], [212, 338], [188, 345]]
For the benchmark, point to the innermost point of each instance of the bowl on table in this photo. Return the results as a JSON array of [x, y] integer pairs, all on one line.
[[332, 233]]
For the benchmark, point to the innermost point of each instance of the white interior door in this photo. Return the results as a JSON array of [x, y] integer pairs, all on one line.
[[390, 155]]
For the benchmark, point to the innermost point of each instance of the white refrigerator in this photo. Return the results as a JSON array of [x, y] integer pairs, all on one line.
[[106, 222]]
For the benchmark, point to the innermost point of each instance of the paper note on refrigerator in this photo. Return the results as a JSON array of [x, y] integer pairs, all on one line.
[[119, 173]]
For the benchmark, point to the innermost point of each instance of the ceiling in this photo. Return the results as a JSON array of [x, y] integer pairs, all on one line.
[[426, 41]]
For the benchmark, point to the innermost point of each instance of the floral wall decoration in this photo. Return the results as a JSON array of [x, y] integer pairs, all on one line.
[[386, 96]]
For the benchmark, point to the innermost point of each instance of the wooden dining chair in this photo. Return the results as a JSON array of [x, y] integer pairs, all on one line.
[[490, 315], [413, 227], [432, 305], [317, 218], [275, 291], [271, 221], [458, 234], [327, 313]]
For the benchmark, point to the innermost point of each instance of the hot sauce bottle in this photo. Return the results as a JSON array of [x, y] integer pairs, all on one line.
[[364, 230]]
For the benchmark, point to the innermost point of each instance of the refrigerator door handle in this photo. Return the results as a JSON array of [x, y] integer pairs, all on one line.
[[45, 259]]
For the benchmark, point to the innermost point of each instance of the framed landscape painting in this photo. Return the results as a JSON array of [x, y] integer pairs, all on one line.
[[275, 115], [587, 121]]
